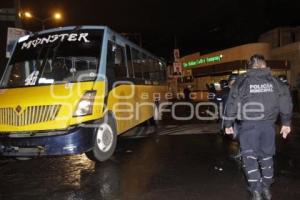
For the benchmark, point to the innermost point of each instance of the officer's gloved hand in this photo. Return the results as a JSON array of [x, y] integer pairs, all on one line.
[[285, 130]]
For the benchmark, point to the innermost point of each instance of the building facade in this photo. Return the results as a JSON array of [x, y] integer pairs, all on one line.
[[213, 67], [285, 45]]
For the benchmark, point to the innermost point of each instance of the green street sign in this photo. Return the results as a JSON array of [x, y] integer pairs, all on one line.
[[201, 61]]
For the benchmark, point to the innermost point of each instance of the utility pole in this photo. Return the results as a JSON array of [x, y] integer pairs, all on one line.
[[17, 5]]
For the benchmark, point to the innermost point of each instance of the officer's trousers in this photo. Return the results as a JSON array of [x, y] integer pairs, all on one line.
[[257, 143]]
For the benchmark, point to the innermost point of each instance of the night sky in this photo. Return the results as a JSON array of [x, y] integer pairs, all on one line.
[[198, 25]]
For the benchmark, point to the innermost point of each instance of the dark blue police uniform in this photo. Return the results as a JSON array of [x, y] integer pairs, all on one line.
[[256, 99]]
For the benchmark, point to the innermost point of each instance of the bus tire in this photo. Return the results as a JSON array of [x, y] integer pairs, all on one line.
[[105, 142]]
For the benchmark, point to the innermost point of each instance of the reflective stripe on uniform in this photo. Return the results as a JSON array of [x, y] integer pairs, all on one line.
[[268, 158], [251, 157], [268, 177], [264, 168], [253, 180], [251, 171]]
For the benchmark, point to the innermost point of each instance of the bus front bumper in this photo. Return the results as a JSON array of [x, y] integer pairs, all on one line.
[[75, 141]]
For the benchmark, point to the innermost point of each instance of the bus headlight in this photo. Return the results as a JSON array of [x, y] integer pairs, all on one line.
[[85, 105]]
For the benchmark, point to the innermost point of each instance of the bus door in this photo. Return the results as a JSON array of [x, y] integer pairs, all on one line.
[[120, 89]]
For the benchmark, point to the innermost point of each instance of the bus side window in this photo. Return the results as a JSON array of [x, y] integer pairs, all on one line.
[[137, 59], [162, 71], [154, 75], [116, 65], [146, 67], [129, 61], [151, 69]]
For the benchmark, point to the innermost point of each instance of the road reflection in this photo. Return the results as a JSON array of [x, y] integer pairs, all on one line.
[[103, 182], [170, 166]]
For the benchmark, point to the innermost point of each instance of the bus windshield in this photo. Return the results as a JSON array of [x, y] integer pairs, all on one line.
[[53, 58]]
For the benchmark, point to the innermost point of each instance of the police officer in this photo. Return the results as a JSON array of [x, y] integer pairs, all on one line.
[[231, 80], [256, 99], [223, 95], [187, 93], [283, 79], [226, 86]]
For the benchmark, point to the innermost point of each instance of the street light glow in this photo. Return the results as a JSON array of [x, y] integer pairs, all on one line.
[[27, 14], [57, 16]]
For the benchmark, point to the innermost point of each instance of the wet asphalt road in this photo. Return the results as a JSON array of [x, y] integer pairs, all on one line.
[[190, 161]]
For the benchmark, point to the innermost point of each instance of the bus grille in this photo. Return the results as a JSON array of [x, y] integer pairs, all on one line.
[[31, 115]]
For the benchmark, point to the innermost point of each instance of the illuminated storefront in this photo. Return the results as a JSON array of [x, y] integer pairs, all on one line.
[[216, 66]]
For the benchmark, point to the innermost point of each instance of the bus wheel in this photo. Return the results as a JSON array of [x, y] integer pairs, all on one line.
[[105, 143]]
